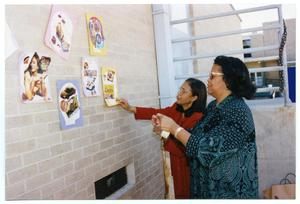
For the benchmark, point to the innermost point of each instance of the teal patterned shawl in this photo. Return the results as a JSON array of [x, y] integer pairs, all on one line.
[[222, 152]]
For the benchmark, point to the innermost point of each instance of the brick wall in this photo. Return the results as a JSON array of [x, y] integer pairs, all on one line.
[[44, 162], [276, 143]]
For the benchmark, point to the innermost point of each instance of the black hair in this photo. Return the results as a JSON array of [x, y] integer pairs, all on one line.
[[198, 89], [29, 68], [236, 76]]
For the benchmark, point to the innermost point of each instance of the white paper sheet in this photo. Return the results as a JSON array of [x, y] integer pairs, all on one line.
[[11, 44]]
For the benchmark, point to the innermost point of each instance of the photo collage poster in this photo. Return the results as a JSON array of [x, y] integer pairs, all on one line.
[[70, 111], [97, 45], [34, 80], [90, 77], [109, 86], [59, 32]]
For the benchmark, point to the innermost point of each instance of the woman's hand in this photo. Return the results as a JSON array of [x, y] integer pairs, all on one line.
[[35, 84], [156, 125], [164, 123], [125, 105]]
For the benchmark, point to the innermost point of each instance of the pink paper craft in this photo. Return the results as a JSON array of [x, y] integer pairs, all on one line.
[[59, 32]]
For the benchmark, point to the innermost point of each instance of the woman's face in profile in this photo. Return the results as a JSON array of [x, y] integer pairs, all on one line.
[[184, 95], [215, 83]]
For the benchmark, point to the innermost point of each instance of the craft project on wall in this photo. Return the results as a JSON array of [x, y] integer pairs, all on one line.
[[109, 86], [70, 113], [90, 77], [97, 45], [34, 80], [59, 32]]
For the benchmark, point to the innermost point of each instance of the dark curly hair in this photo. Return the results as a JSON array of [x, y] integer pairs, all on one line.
[[236, 76], [198, 89]]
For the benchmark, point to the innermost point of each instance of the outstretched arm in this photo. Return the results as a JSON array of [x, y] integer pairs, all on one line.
[[126, 106]]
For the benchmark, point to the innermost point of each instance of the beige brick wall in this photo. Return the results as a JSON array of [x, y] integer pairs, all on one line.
[[276, 143], [44, 162]]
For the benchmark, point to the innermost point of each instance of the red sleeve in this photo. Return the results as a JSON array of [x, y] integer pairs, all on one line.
[[146, 113], [193, 120]]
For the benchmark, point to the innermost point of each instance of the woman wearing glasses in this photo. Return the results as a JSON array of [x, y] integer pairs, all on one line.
[[186, 111], [222, 146]]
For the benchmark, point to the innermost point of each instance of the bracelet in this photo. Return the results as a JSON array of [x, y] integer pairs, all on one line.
[[177, 131]]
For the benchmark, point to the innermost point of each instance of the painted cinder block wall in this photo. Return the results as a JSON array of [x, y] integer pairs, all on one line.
[[276, 143], [45, 162]]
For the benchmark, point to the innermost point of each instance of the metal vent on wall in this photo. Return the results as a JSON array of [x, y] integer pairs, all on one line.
[[111, 183]]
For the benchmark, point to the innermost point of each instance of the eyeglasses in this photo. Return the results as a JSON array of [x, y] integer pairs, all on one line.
[[183, 91], [215, 74]]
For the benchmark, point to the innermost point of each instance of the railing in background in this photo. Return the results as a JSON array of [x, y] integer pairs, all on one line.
[[278, 26]]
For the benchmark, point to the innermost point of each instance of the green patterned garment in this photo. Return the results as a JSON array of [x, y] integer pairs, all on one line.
[[222, 152]]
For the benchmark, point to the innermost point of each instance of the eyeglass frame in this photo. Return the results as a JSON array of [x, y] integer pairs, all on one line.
[[183, 91], [215, 74]]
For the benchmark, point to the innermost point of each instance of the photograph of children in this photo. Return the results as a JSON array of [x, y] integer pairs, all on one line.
[[109, 86], [90, 77], [97, 45], [34, 83], [70, 113], [59, 32]]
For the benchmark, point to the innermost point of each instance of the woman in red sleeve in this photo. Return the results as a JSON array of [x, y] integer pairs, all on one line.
[[186, 111]]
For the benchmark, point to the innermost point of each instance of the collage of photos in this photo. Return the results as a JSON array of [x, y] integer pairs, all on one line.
[[97, 44], [109, 84], [33, 68], [59, 32], [34, 83], [90, 77], [70, 112]]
